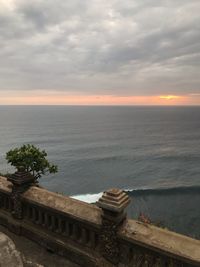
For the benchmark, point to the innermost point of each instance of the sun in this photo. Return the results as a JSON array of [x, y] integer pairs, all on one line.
[[7, 4], [169, 97]]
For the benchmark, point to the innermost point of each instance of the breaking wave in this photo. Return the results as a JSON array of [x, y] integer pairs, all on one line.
[[92, 198]]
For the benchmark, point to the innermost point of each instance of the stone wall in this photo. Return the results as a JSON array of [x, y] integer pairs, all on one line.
[[92, 235], [9, 256]]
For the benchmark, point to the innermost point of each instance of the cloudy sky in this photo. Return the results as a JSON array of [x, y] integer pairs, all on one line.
[[100, 52]]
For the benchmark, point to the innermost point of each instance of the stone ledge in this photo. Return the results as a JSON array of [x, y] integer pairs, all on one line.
[[5, 185], [163, 241], [75, 208]]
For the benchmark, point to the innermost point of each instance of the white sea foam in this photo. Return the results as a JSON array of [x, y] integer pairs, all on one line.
[[89, 198], [92, 198]]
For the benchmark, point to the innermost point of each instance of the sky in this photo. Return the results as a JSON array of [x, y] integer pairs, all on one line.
[[100, 52]]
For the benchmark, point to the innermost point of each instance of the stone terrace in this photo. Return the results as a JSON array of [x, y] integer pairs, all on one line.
[[88, 235]]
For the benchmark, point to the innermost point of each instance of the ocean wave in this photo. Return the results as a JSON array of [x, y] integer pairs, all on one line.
[[89, 198], [165, 190], [92, 198]]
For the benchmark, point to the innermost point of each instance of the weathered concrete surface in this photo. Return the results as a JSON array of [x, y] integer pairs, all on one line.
[[9, 255], [33, 255], [158, 239], [74, 208], [5, 185]]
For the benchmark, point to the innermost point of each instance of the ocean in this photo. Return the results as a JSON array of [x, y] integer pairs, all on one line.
[[151, 152]]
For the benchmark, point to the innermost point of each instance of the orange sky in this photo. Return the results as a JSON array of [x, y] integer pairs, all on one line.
[[64, 99]]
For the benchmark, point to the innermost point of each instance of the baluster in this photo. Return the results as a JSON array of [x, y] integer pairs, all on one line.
[[4, 203], [7, 203], [30, 213], [36, 215], [1, 201], [74, 232], [33, 215], [40, 221], [87, 237], [24, 211], [45, 219], [79, 233], [96, 240], [70, 229], [52, 223], [125, 254], [83, 239], [49, 224], [56, 224], [59, 230], [66, 228], [92, 239], [130, 253]]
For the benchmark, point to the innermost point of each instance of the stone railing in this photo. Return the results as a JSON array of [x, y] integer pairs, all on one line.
[[90, 235]]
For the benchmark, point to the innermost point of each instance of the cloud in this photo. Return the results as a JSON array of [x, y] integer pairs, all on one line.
[[104, 47]]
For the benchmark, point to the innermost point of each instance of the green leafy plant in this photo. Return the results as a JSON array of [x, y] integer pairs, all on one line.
[[31, 159]]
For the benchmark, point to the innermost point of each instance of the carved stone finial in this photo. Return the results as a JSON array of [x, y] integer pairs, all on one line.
[[114, 200], [21, 181], [113, 203], [21, 178]]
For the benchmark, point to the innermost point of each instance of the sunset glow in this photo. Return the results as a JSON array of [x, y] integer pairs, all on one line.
[[169, 97], [54, 98]]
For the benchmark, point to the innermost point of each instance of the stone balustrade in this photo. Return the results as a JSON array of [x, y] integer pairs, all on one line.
[[90, 235]]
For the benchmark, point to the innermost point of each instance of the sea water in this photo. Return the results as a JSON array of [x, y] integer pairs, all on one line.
[[151, 152]]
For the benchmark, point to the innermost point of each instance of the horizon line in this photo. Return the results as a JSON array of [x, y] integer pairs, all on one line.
[[101, 105]]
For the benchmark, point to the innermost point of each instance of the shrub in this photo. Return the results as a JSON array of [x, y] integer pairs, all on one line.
[[31, 159]]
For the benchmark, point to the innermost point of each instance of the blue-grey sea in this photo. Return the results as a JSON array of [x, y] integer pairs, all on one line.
[[151, 152]]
